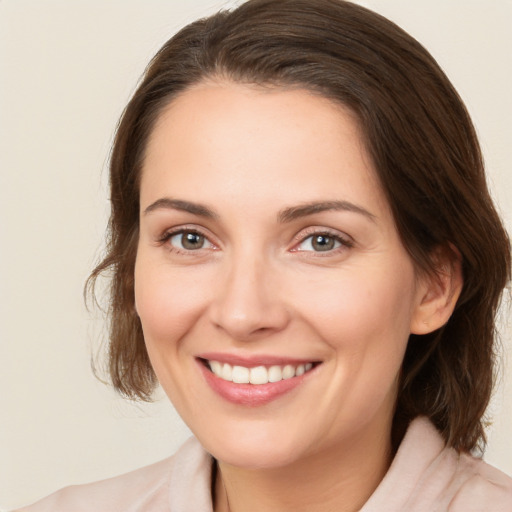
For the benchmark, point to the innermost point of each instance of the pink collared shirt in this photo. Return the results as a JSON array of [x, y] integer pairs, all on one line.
[[425, 476]]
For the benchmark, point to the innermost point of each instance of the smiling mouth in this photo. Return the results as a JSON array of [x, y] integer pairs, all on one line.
[[257, 375]]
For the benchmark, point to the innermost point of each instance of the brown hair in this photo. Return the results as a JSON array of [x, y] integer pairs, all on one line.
[[424, 149]]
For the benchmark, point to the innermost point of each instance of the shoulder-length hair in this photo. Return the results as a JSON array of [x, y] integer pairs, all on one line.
[[425, 152]]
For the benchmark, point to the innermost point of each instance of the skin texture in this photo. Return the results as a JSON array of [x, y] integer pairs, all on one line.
[[257, 286]]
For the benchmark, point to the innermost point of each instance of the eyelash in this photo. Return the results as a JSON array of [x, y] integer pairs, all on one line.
[[344, 242], [166, 237]]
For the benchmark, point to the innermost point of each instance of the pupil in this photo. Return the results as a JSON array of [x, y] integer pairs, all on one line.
[[192, 241], [323, 243]]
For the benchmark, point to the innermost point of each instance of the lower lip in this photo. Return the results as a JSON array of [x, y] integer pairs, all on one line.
[[251, 395]]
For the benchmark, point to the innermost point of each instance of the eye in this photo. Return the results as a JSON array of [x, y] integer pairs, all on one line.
[[188, 240], [321, 241]]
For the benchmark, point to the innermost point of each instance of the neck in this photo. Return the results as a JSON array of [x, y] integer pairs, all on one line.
[[341, 478]]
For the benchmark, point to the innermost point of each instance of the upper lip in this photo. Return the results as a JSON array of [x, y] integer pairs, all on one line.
[[250, 361]]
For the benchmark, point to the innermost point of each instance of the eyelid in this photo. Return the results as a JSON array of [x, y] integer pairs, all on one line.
[[168, 233], [345, 240], [171, 232]]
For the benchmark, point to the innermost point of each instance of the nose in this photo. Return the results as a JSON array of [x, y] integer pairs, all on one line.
[[248, 302]]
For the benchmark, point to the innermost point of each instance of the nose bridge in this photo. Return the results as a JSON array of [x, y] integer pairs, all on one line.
[[247, 303]]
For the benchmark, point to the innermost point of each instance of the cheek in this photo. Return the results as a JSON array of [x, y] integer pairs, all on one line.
[[365, 319], [167, 302], [362, 307]]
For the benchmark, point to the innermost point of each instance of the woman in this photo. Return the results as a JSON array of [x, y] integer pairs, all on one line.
[[306, 257]]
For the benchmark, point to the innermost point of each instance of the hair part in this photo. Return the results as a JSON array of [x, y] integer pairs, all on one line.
[[426, 155]]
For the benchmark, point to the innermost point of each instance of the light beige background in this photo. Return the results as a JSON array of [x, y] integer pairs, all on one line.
[[67, 69]]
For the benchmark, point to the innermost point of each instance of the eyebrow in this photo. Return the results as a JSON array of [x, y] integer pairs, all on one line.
[[286, 215], [297, 212], [184, 206]]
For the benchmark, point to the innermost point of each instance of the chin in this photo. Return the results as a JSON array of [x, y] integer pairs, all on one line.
[[254, 447], [252, 456]]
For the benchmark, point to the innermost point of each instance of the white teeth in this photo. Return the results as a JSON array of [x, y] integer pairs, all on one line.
[[227, 372], [216, 367], [275, 374], [258, 374], [240, 375], [289, 371]]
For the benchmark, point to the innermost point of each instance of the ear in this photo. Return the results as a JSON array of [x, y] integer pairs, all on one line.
[[438, 291]]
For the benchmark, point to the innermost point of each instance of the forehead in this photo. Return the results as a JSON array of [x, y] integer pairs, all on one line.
[[222, 139]]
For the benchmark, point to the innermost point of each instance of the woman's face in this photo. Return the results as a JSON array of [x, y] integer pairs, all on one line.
[[269, 254]]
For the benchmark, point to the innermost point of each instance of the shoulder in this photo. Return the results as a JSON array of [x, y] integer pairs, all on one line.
[[483, 488], [146, 489], [425, 475], [462, 482], [118, 493]]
